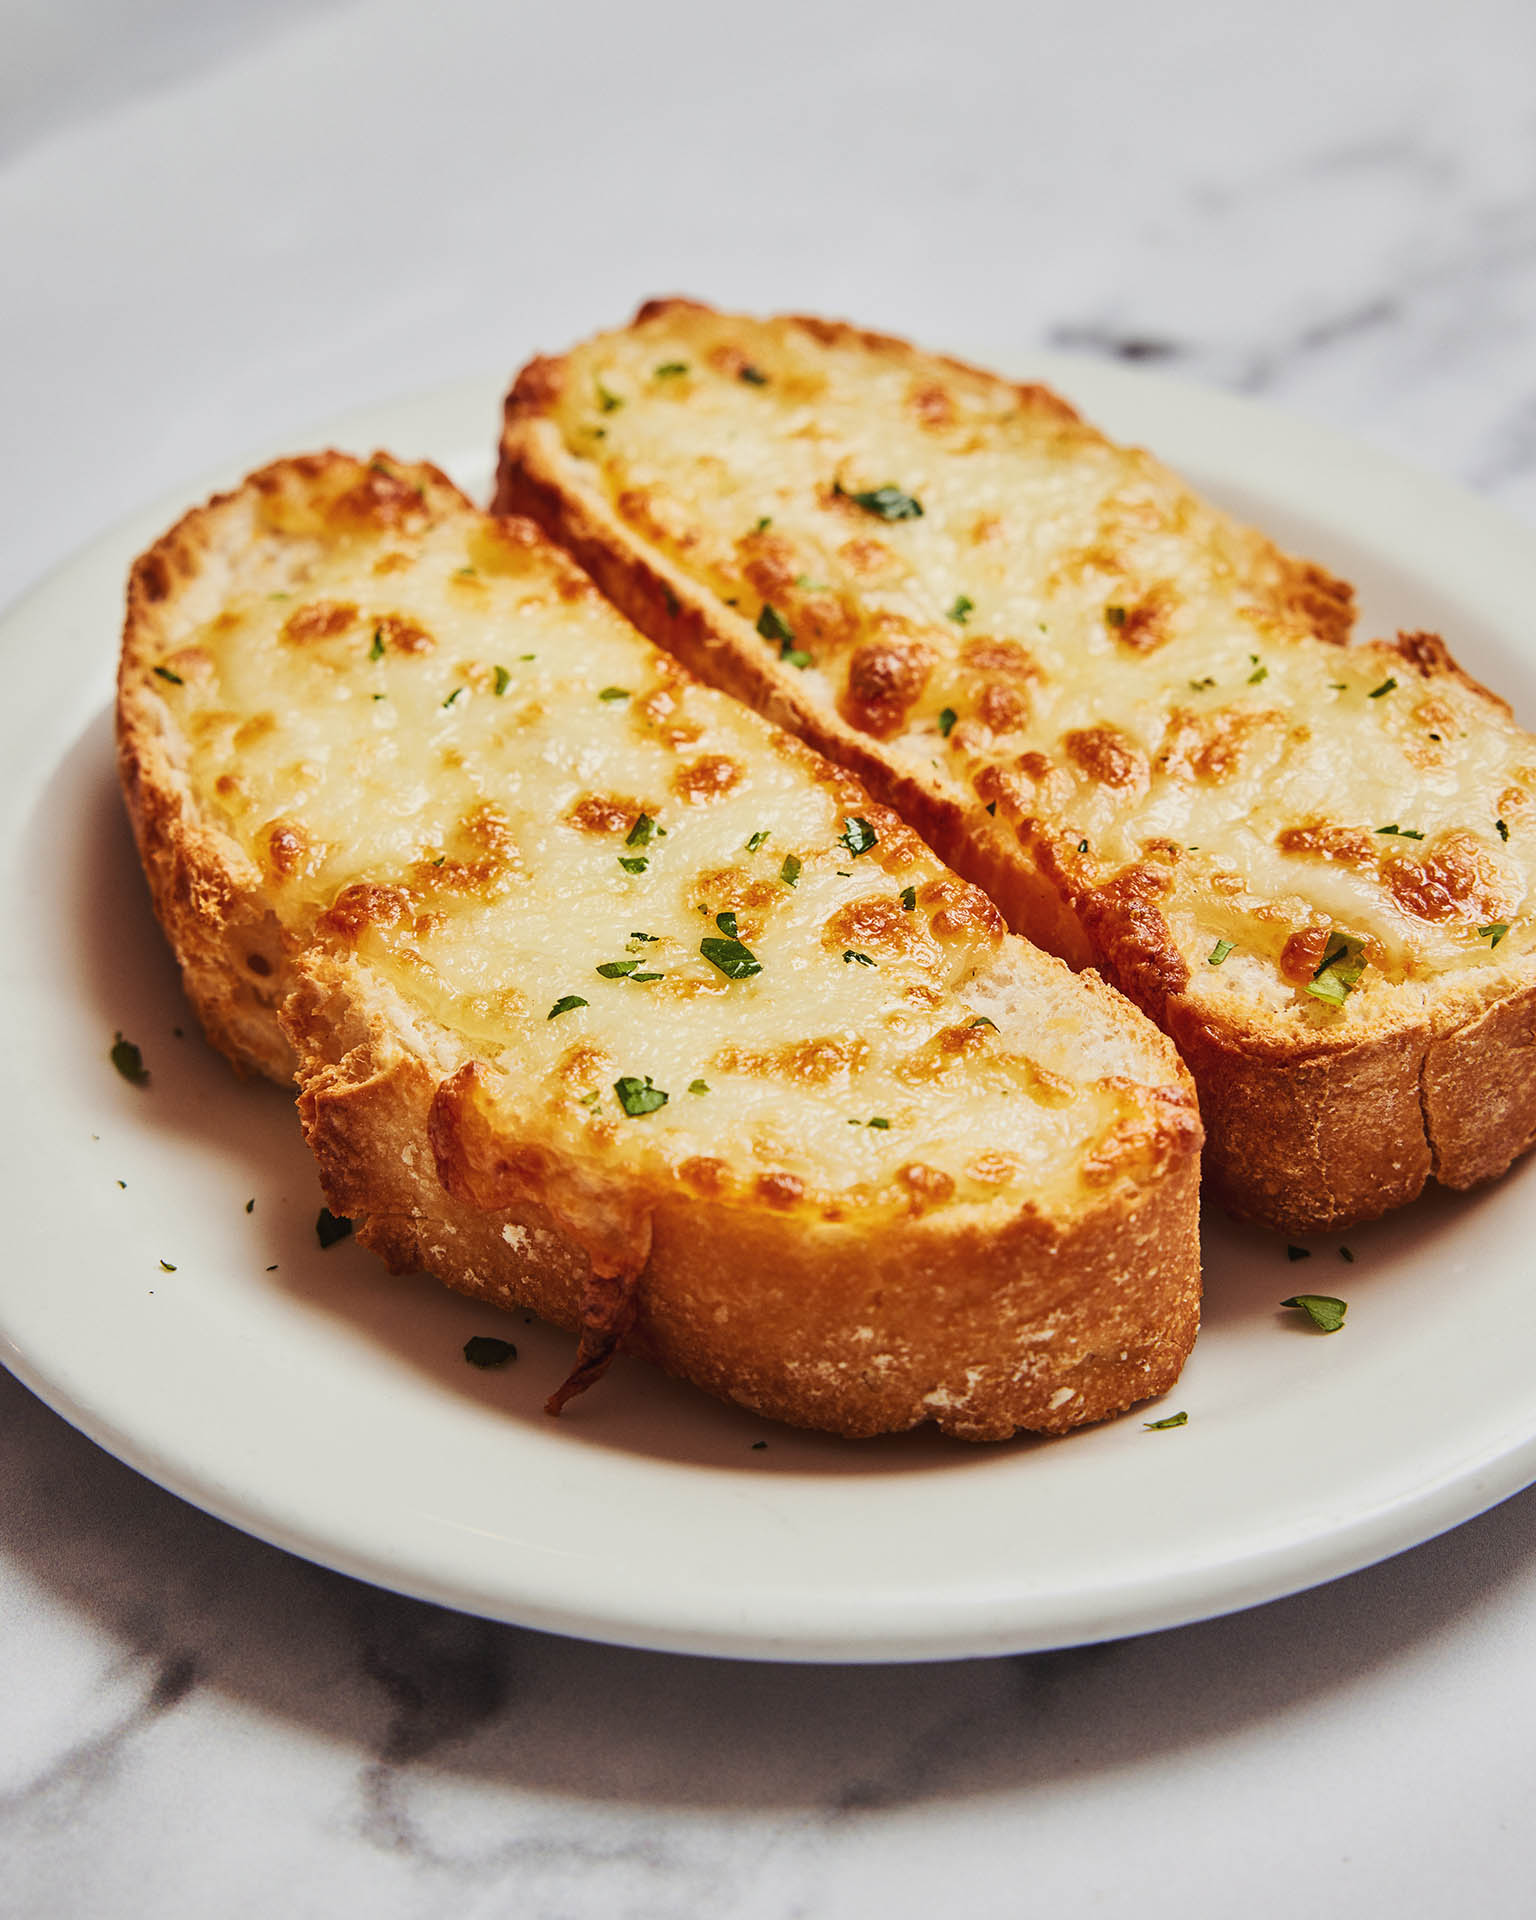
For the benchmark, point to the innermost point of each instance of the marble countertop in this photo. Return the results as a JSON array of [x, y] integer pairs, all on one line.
[[220, 220]]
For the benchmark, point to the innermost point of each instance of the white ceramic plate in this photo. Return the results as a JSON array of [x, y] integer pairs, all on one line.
[[313, 1400]]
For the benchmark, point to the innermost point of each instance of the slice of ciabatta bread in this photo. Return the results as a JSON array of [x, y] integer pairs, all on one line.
[[607, 999], [1133, 722]]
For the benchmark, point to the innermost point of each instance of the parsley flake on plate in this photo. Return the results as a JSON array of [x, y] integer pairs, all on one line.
[[567, 1003], [484, 1350], [331, 1227], [1324, 1311], [1168, 1420], [129, 1062]]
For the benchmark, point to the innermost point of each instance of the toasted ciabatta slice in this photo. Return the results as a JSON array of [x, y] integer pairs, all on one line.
[[1129, 719], [607, 999]]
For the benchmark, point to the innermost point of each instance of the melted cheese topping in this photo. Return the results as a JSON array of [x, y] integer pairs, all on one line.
[[1065, 635], [449, 757]]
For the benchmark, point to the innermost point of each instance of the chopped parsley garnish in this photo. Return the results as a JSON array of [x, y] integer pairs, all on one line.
[[807, 585], [670, 369], [981, 1020], [166, 1267], [617, 969], [772, 625], [640, 833], [1324, 1311], [453, 696], [880, 1122], [758, 839], [1219, 952], [174, 678], [614, 693], [1341, 966], [673, 604], [947, 719], [1495, 933], [633, 862], [129, 1061], [1345, 1254], [1386, 686], [608, 401], [729, 956], [764, 524], [331, 1227], [638, 1097], [1403, 833], [991, 806], [698, 1086], [753, 376], [1200, 686], [1503, 830], [1082, 846], [789, 873], [1298, 1253], [962, 610], [638, 977], [647, 939], [862, 958], [909, 899], [567, 1003], [795, 657], [250, 1205], [1114, 616], [1168, 1420], [858, 836], [1260, 672], [885, 503], [503, 680], [464, 573], [726, 922], [484, 1350], [376, 651]]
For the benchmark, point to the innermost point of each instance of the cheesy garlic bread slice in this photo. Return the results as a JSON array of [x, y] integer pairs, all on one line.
[[1132, 721], [606, 999]]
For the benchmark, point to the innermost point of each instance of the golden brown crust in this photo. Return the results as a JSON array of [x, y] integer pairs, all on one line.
[[983, 1318], [983, 1329], [1300, 1136]]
